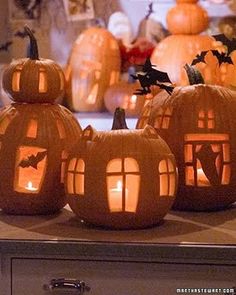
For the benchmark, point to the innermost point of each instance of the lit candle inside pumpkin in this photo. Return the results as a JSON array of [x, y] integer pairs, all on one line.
[[116, 196], [30, 186]]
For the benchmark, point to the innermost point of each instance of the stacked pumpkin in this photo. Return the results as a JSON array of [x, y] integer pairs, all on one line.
[[185, 21], [35, 136]]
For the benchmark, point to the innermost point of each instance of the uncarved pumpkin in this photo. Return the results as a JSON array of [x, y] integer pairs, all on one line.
[[93, 65], [109, 181], [198, 123]]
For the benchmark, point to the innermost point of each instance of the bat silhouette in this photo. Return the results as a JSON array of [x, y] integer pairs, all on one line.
[[199, 58], [222, 57], [230, 44], [33, 160], [22, 34], [5, 46], [207, 158]]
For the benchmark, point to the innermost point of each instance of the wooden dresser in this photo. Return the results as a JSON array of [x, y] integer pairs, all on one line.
[[189, 253]]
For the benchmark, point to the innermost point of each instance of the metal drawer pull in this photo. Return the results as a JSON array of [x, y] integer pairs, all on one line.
[[67, 284]]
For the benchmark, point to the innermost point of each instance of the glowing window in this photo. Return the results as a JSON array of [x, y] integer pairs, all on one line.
[[207, 159], [32, 128], [167, 177], [16, 78], [75, 176], [42, 80], [206, 119], [123, 181], [163, 117], [30, 169]]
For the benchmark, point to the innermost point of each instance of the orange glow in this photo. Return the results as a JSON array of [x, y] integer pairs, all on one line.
[[29, 178], [30, 187]]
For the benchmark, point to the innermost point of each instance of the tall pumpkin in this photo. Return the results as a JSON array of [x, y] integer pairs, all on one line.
[[93, 65], [198, 122], [35, 136], [185, 21], [121, 178]]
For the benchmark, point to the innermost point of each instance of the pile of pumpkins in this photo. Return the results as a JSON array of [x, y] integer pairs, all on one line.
[[120, 178]]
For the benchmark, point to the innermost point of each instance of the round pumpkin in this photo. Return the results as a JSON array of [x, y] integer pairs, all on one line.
[[93, 65], [198, 123], [122, 95], [173, 52], [109, 181], [187, 18], [35, 139], [33, 79]]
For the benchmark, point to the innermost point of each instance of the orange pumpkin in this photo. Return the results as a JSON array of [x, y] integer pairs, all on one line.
[[185, 21], [122, 95], [33, 79], [35, 137], [93, 66], [198, 123], [109, 181]]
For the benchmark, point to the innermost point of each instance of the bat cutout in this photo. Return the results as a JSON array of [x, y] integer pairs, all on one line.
[[222, 57], [199, 58], [22, 34], [5, 46], [33, 160], [230, 44], [207, 158]]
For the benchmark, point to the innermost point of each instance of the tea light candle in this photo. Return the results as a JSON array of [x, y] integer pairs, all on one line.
[[30, 187]]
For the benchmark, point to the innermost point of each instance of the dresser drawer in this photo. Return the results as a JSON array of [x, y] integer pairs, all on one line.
[[117, 278]]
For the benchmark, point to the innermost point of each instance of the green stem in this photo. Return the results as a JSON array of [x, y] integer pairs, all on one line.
[[33, 49], [194, 76], [119, 120]]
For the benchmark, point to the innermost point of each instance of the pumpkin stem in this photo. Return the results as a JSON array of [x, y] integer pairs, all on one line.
[[33, 47], [194, 76], [119, 120]]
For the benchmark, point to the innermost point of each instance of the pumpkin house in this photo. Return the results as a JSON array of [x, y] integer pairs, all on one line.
[[110, 177], [198, 123]]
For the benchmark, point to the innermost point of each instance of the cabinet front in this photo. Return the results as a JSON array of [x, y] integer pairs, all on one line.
[[64, 276]]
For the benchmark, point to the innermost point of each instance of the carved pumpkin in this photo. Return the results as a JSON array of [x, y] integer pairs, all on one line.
[[122, 95], [93, 66], [198, 123], [184, 21], [35, 139], [33, 79], [109, 181]]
